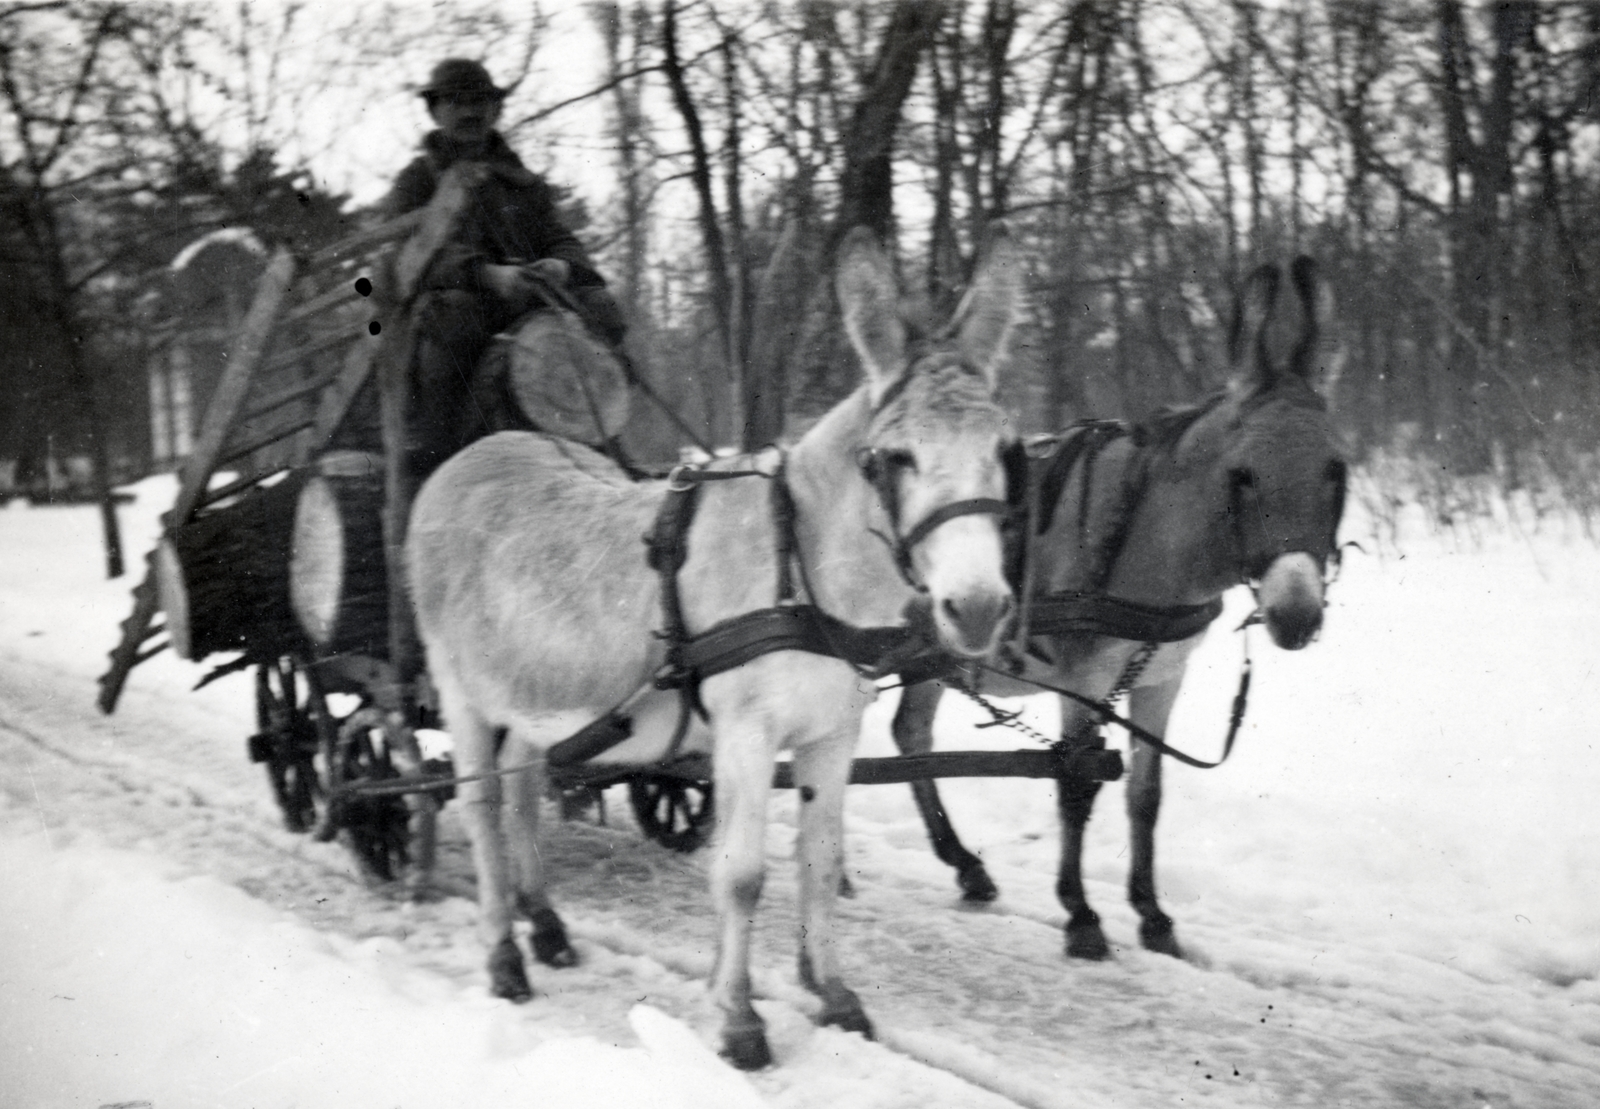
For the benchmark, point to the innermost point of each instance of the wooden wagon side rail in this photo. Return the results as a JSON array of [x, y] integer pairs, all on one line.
[[247, 352], [287, 291]]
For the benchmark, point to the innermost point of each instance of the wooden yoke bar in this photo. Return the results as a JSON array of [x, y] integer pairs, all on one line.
[[395, 354]]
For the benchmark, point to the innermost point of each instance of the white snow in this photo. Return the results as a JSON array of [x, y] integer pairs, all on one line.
[[1388, 896]]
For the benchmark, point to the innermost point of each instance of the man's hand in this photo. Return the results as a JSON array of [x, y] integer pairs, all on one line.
[[553, 270], [517, 285], [510, 283]]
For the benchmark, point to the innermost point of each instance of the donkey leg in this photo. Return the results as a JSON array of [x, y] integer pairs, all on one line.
[[822, 771], [913, 735], [743, 765], [1149, 707], [525, 790], [1075, 799], [475, 750]]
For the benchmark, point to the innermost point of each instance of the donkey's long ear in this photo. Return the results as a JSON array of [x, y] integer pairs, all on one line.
[[993, 304], [1316, 312], [1317, 357], [869, 300], [1248, 339]]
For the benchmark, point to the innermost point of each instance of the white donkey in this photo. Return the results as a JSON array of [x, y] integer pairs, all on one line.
[[539, 613]]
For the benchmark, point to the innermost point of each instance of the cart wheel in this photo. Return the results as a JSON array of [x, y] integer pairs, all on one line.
[[287, 743], [674, 812], [374, 828]]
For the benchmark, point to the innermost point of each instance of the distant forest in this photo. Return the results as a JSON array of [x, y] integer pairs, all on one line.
[[1441, 160]]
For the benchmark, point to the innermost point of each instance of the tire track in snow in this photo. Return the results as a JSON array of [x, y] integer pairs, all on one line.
[[127, 801], [984, 996]]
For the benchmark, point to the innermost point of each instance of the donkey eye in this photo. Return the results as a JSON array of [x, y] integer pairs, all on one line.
[[1242, 479], [1335, 472], [899, 460]]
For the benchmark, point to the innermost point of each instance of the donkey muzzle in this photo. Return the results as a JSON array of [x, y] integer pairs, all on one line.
[[1291, 599], [972, 622]]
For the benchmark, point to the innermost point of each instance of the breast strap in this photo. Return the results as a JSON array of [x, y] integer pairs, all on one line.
[[786, 626]]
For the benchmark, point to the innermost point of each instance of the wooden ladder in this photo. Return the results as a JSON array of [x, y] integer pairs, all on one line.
[[313, 335]]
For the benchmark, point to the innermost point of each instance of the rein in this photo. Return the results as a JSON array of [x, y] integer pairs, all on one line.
[[1092, 611], [1108, 715]]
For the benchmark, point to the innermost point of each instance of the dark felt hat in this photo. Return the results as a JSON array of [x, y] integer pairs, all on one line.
[[461, 77]]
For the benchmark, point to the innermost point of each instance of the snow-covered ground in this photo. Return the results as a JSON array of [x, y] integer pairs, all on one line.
[[1389, 896]]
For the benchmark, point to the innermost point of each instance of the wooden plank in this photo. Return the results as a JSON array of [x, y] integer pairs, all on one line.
[[396, 348], [340, 294], [294, 393], [243, 358], [335, 400], [282, 359], [146, 656], [351, 245], [394, 364], [1024, 763], [266, 439], [891, 770], [223, 492], [125, 655], [442, 213]]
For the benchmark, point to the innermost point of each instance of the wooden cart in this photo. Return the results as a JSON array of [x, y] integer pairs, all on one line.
[[319, 330]]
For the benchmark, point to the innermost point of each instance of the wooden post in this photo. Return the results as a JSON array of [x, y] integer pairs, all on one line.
[[397, 347], [243, 358], [394, 365]]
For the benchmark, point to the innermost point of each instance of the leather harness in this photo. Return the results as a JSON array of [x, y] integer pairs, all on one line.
[[789, 624], [1092, 611]]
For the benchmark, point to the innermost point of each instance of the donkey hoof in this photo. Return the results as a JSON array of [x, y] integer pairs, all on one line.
[[550, 945], [745, 1046], [1156, 935], [847, 1018], [1085, 940], [507, 978], [554, 950], [846, 887], [976, 885]]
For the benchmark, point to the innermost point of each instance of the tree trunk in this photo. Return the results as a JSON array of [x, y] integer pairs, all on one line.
[[866, 186], [65, 320], [721, 291]]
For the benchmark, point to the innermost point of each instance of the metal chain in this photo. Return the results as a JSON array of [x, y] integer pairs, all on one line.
[[999, 717], [1131, 673]]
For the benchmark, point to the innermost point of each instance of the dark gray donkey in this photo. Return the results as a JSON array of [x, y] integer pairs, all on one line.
[[1133, 537]]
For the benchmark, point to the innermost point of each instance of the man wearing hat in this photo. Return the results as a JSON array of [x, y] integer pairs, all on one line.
[[482, 280]]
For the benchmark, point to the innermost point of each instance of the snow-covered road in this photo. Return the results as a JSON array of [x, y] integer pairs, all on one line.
[[1389, 895]]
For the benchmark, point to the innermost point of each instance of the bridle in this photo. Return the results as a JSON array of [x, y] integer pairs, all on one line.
[[881, 468], [1255, 551]]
